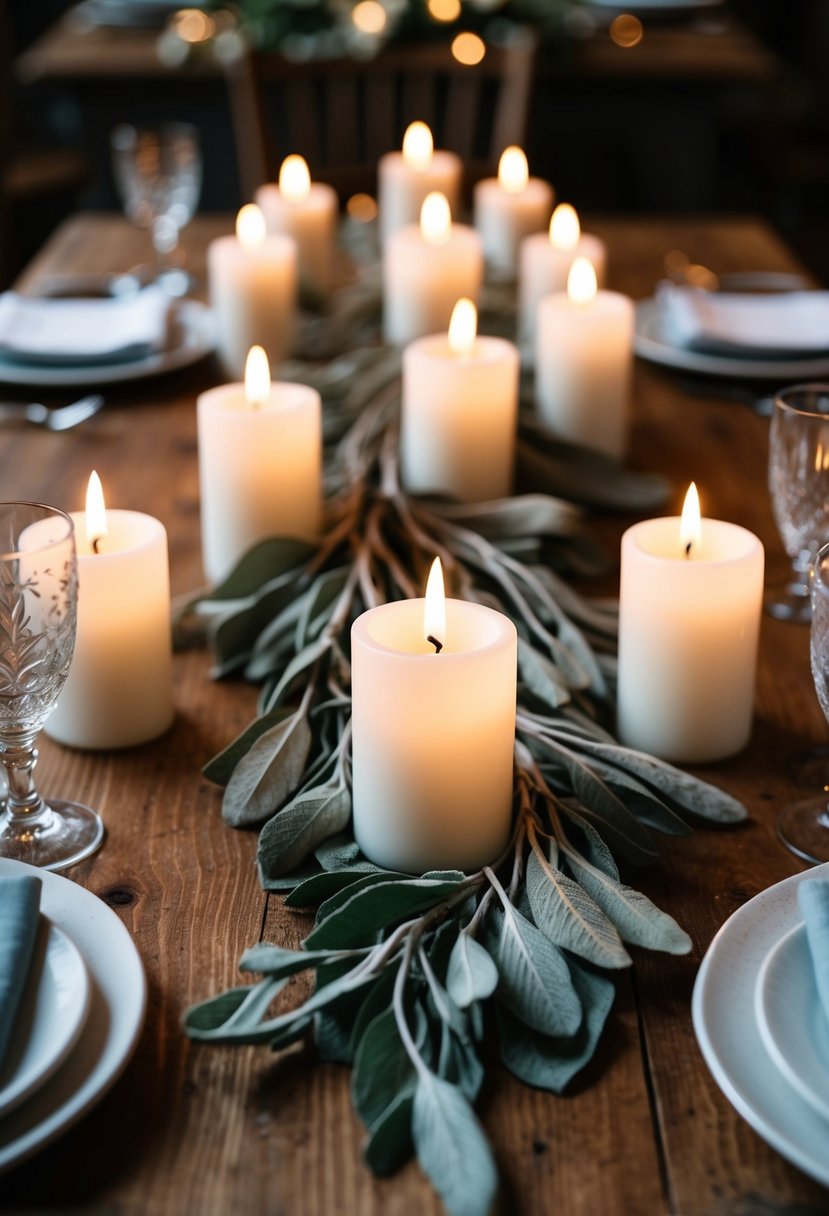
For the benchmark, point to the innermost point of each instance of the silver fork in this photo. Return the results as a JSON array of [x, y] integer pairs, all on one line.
[[60, 419]]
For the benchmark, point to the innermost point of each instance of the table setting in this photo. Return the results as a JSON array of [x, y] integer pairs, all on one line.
[[454, 787]]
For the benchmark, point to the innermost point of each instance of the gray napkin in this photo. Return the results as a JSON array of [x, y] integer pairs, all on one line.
[[19, 910], [813, 897]]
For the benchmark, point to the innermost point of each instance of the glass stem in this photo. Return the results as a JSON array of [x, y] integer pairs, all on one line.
[[24, 803]]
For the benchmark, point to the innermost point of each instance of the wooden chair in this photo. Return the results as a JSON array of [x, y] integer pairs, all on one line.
[[343, 114]]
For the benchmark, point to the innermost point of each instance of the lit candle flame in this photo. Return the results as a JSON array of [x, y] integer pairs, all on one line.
[[294, 179], [463, 327], [96, 516], [581, 281], [690, 525], [434, 608], [513, 170], [435, 219], [257, 377], [251, 229], [565, 229], [418, 146]]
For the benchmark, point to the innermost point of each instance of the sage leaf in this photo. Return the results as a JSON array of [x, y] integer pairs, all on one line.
[[458, 1063], [292, 1033], [359, 882], [620, 841], [390, 1140], [264, 561], [638, 920], [541, 676], [592, 845], [375, 909], [276, 961], [298, 664], [234, 636], [235, 1016], [534, 980], [320, 887], [268, 774], [220, 768], [316, 604], [452, 1148], [378, 998], [472, 975], [569, 917], [519, 516], [342, 852], [287, 882], [295, 831], [334, 1022], [382, 1068]]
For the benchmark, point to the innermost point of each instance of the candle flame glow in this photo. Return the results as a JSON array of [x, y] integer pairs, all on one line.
[[294, 179], [96, 516], [434, 607], [418, 146], [690, 525], [435, 219], [513, 170], [565, 229], [581, 281], [251, 229], [463, 327], [257, 377]]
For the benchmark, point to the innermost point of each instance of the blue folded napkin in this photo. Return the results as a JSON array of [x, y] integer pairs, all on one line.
[[19, 911], [813, 897]]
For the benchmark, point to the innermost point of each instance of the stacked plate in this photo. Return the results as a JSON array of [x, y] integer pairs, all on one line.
[[762, 1029], [80, 1019]]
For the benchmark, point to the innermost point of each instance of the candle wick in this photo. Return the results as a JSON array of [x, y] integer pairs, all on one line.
[[96, 544], [437, 645], [688, 548]]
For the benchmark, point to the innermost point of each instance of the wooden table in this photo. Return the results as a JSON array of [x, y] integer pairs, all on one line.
[[220, 1131]]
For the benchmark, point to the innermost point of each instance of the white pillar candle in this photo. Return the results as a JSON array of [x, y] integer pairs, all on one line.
[[426, 270], [459, 412], [688, 628], [405, 178], [509, 208], [252, 280], [545, 261], [583, 362], [306, 211], [119, 689], [260, 465], [433, 735]]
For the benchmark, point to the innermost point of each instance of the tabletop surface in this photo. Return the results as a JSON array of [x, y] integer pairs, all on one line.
[[196, 1129]]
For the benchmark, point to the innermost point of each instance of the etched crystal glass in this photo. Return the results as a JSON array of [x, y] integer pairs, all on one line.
[[799, 486], [38, 614]]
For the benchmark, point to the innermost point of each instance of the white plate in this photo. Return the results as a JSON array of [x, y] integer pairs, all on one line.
[[51, 1016], [729, 1037], [792, 1021], [193, 338], [650, 342], [116, 1015]]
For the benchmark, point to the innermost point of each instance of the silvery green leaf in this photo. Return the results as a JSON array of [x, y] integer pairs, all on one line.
[[220, 768], [298, 664], [377, 999], [541, 676], [268, 773], [620, 841], [275, 641], [381, 1068], [534, 980], [452, 1148], [638, 920], [317, 604], [288, 837], [591, 844], [520, 516], [333, 1023], [287, 882], [358, 882], [233, 637], [390, 1140], [458, 1063], [340, 852], [444, 1006], [266, 958], [371, 911], [570, 918], [472, 975], [292, 1032], [265, 561], [320, 887]]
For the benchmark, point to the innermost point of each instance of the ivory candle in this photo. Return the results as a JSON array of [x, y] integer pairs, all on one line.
[[459, 412], [426, 269], [510, 207], [119, 689], [260, 464], [433, 734], [306, 211], [583, 362], [252, 280], [405, 178], [545, 261], [689, 620]]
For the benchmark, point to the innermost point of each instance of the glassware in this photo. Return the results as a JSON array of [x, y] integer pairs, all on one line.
[[799, 485], [158, 173], [804, 826], [38, 614]]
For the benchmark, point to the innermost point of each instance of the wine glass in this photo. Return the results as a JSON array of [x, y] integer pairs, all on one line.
[[158, 173], [38, 615], [799, 485]]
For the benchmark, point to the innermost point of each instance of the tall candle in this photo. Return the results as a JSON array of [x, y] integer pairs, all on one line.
[[426, 269], [689, 619], [252, 279], [459, 412], [583, 362], [509, 207], [306, 211], [405, 178], [260, 464], [545, 261], [119, 689], [433, 734]]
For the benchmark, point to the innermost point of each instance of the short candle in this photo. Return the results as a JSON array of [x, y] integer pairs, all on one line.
[[545, 261], [509, 208], [405, 179], [306, 211], [433, 734], [459, 412], [689, 621]]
